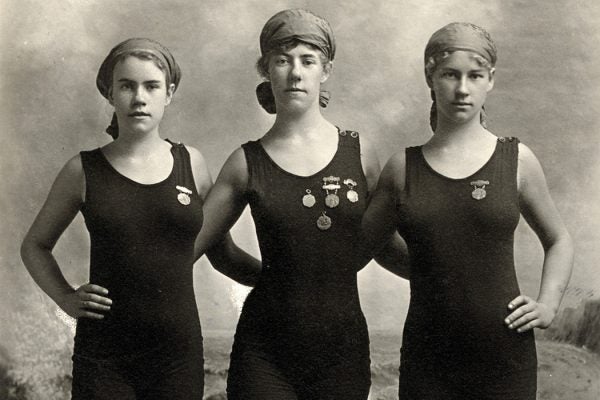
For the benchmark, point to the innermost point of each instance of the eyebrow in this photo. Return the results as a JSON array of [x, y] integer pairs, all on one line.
[[471, 70], [306, 55], [131, 80]]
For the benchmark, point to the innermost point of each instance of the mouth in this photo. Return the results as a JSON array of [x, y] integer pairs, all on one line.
[[295, 90], [138, 114], [461, 104]]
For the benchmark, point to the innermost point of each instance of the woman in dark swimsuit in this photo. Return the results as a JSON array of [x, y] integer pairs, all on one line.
[[138, 332], [456, 200], [302, 334]]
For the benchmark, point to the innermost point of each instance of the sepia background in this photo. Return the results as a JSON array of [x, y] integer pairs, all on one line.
[[547, 94]]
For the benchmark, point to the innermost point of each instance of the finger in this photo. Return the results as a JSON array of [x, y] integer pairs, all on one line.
[[523, 320], [519, 312], [90, 314], [94, 306], [518, 301], [91, 288], [97, 299], [529, 326]]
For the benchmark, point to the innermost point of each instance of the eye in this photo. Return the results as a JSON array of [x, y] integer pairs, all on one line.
[[280, 61], [125, 86], [153, 86], [477, 76], [309, 61], [449, 75]]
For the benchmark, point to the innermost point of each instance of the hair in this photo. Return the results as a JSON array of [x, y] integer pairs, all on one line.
[[113, 128], [431, 65]]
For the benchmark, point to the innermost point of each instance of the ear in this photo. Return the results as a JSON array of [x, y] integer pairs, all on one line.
[[327, 68], [429, 80], [492, 79], [170, 91], [110, 97]]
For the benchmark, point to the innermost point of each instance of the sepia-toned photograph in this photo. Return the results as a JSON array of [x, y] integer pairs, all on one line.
[[300, 200]]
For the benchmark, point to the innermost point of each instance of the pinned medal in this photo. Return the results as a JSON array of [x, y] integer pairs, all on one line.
[[351, 194], [479, 192], [323, 222], [184, 195], [308, 200], [331, 183]]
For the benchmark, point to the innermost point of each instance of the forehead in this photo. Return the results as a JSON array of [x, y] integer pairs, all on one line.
[[139, 69], [461, 59], [299, 49]]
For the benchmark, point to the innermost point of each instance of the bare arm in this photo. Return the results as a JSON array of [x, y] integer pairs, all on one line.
[[223, 205], [61, 206], [540, 213], [380, 236]]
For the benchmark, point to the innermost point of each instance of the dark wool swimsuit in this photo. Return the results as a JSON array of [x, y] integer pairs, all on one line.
[[142, 240], [455, 344], [302, 333]]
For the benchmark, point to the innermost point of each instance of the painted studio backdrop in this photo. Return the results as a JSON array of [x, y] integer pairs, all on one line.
[[546, 93]]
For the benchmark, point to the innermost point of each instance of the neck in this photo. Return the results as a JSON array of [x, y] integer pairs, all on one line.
[[448, 132], [138, 143], [303, 124]]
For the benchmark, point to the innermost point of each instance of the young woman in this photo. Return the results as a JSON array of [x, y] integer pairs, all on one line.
[[301, 334], [456, 200], [138, 333]]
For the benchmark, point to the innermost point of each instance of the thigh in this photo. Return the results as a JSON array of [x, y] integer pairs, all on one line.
[[100, 380], [176, 378], [423, 379], [343, 381], [253, 375]]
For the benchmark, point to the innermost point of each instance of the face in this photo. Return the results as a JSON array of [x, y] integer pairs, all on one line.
[[461, 85], [296, 76], [139, 94]]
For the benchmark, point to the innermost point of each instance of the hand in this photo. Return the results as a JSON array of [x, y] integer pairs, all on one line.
[[87, 301], [528, 314]]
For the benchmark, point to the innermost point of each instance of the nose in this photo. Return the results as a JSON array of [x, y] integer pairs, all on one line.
[[461, 87], [139, 95], [295, 71]]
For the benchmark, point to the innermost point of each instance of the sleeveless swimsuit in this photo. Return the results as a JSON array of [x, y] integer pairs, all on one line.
[[142, 240], [304, 315], [460, 239]]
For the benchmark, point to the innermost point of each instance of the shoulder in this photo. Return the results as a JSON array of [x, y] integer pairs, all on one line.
[[196, 157], [370, 161], [235, 170], [529, 170], [394, 171], [73, 168], [70, 181], [200, 171]]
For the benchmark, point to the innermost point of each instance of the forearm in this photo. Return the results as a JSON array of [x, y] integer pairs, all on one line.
[[44, 270], [394, 257], [234, 263], [558, 264]]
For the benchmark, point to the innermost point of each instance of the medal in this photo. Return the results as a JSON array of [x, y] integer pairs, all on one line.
[[323, 222], [184, 195], [308, 200], [479, 192], [351, 194], [332, 200], [331, 183]]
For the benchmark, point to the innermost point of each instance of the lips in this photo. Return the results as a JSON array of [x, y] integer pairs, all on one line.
[[459, 104], [292, 90], [138, 114]]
